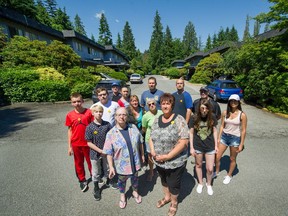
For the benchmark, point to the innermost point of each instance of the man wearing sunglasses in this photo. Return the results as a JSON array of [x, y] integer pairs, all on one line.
[[204, 92]]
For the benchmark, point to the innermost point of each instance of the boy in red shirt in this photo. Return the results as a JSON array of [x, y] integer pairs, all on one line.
[[77, 120]]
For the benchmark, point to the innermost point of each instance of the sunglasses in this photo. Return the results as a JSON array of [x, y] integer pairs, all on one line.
[[151, 104]]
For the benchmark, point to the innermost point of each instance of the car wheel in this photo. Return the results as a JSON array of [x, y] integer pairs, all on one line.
[[214, 97]]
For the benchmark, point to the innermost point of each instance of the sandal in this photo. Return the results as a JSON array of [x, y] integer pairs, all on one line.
[[122, 204], [138, 199], [162, 202], [173, 209]]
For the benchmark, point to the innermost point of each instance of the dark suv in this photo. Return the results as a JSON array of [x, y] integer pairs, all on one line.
[[106, 82]]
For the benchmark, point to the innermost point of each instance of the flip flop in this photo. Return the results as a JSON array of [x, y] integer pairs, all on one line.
[[122, 204], [138, 199], [162, 202]]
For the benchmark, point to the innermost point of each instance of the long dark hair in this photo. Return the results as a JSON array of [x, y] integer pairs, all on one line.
[[210, 121], [229, 109]]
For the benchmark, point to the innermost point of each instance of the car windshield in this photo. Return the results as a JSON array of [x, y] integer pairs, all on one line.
[[108, 86], [229, 85], [135, 75]]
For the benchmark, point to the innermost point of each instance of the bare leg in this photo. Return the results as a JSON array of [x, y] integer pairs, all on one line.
[[221, 149], [198, 167], [150, 163], [233, 155], [209, 167]]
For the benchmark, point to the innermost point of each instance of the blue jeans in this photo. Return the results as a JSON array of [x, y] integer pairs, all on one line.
[[230, 140]]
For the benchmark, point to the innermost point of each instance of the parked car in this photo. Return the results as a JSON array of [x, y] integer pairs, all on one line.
[[107, 82], [222, 89], [136, 78]]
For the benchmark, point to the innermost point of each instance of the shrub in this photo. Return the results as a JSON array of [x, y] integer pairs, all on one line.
[[48, 90], [15, 83], [84, 89], [49, 74], [119, 76]]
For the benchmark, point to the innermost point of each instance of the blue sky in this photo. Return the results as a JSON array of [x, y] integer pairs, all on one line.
[[207, 16]]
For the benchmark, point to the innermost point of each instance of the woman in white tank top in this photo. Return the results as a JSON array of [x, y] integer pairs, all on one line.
[[231, 134]]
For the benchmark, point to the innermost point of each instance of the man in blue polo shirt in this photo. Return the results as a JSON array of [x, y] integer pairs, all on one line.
[[183, 101], [152, 93]]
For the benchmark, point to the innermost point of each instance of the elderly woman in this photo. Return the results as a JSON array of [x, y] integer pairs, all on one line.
[[124, 149], [147, 122], [168, 145]]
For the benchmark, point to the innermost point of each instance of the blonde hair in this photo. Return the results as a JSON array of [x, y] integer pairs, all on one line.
[[97, 107]]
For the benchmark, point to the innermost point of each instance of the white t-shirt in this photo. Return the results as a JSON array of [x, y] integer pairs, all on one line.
[[109, 110]]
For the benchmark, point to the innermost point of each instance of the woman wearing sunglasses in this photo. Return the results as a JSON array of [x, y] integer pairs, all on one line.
[[231, 134], [147, 122]]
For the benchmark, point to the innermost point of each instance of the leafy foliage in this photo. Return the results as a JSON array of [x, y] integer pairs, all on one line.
[[49, 74], [105, 36], [208, 69]]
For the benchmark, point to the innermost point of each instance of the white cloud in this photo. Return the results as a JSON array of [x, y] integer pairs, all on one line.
[[117, 21], [98, 15]]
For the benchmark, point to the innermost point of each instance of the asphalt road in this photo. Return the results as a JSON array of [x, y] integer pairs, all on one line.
[[37, 176]]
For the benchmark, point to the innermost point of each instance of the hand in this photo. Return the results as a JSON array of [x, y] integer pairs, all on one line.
[[70, 151], [161, 158], [143, 158], [111, 173], [192, 152], [240, 148], [216, 149]]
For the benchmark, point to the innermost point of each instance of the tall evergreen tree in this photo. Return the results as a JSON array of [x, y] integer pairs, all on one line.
[[156, 42], [256, 28], [42, 14], [234, 34], [51, 7], [267, 27], [93, 38], [208, 45], [128, 42], [119, 41], [61, 21], [227, 34], [105, 36], [190, 41], [246, 35], [199, 43], [214, 41], [26, 7], [167, 48], [178, 49], [278, 14], [78, 25], [221, 36]]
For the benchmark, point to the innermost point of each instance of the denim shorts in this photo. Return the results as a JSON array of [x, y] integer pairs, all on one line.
[[230, 140], [209, 153]]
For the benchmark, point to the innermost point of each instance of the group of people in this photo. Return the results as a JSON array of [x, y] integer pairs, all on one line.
[[120, 133]]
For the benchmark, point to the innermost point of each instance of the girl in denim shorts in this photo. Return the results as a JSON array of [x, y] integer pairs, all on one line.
[[203, 141], [231, 134]]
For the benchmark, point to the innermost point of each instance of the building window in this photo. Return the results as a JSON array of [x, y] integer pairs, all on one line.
[[78, 46]]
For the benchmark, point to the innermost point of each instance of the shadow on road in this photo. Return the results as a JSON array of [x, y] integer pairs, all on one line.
[[225, 163], [13, 119]]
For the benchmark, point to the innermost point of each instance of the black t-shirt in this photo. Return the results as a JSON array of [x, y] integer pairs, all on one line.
[[203, 139]]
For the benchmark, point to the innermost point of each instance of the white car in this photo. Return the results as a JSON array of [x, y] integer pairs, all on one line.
[[135, 78]]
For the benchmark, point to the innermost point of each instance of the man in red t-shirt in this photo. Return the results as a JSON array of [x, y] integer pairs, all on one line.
[[77, 121]]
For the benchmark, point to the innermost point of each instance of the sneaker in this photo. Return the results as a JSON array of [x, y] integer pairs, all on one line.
[[108, 182], [84, 186], [101, 182], [215, 175], [199, 188], [114, 185], [97, 194], [227, 179], [209, 190]]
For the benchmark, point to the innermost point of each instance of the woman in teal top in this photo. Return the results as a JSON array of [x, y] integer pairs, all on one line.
[[136, 110]]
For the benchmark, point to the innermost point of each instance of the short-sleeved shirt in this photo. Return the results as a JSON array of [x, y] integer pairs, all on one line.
[[116, 146], [146, 95], [116, 97], [96, 134], [109, 110], [147, 122], [78, 123], [215, 107], [203, 139], [183, 102], [165, 137]]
